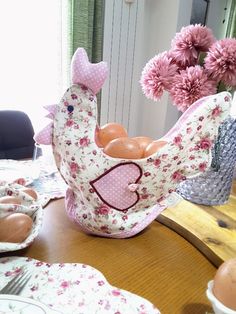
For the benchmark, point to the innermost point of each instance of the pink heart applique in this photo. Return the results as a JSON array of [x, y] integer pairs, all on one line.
[[112, 187], [91, 75]]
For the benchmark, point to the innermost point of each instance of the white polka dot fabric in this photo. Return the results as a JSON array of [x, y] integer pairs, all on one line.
[[113, 186], [86, 73], [45, 135]]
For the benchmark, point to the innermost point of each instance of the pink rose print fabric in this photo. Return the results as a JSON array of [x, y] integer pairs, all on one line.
[[86, 73], [28, 206], [72, 288], [105, 196]]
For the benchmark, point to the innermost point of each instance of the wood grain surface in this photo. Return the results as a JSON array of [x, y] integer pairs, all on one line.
[[157, 264], [212, 229]]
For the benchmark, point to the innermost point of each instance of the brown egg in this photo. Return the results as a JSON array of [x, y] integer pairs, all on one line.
[[154, 147], [10, 200], [15, 228], [123, 147], [143, 141], [109, 132], [30, 192], [96, 137], [224, 284]]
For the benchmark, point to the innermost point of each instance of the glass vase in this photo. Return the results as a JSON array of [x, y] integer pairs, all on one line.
[[213, 187]]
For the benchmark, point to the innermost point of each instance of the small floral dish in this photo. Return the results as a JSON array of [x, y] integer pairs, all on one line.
[[16, 304], [73, 288], [29, 206], [218, 307]]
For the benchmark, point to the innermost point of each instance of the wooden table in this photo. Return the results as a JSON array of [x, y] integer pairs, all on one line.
[[158, 264], [211, 229]]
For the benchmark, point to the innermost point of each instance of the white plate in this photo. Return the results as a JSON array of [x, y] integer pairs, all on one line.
[[73, 288], [11, 170], [10, 304]]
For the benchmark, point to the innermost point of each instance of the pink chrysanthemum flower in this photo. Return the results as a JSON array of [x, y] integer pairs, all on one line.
[[158, 75], [220, 61], [190, 85], [189, 42]]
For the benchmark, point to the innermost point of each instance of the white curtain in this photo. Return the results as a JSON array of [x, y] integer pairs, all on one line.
[[31, 71]]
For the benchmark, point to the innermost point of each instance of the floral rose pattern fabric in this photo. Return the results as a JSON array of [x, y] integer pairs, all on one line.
[[90, 173], [28, 206], [72, 288]]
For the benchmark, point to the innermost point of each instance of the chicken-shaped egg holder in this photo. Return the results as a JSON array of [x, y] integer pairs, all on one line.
[[114, 197]]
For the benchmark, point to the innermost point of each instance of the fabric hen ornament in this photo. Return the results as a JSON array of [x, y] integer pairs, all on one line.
[[114, 197]]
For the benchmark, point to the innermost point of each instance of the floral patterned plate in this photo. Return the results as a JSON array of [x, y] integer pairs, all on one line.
[[11, 304], [28, 206], [73, 288]]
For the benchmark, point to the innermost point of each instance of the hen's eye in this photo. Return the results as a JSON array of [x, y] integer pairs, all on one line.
[[70, 108]]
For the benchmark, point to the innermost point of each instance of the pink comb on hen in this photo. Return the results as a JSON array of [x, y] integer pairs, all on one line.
[[92, 75]]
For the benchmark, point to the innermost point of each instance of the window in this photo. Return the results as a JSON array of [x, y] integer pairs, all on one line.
[[30, 56]]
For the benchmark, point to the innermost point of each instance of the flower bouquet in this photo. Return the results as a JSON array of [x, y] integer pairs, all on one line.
[[196, 66]]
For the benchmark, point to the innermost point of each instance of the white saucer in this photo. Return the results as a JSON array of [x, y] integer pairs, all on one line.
[[73, 288]]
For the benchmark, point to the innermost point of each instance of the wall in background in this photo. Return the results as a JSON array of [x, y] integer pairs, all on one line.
[[217, 17], [134, 32], [199, 11]]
